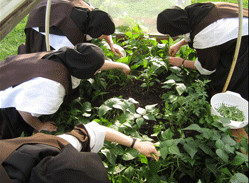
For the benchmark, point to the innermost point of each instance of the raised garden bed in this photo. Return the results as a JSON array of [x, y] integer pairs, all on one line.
[[164, 104]]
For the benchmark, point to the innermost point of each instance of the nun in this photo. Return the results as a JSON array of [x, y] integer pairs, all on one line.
[[212, 30], [71, 22], [37, 84], [70, 157]]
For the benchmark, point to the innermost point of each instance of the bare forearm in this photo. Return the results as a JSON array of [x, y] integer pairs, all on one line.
[[116, 65], [31, 120], [175, 48], [108, 39], [183, 42], [145, 148], [117, 137], [112, 65], [36, 123], [189, 64]]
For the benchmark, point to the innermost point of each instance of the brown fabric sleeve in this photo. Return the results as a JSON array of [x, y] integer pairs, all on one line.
[[82, 135]]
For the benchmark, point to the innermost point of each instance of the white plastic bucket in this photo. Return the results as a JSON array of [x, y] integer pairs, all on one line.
[[230, 99]]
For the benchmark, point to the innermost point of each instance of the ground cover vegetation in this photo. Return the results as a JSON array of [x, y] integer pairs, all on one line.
[[163, 104], [160, 103]]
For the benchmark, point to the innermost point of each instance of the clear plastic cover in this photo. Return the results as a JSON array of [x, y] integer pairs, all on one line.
[[132, 12]]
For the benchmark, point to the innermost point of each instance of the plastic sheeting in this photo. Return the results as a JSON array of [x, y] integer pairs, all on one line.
[[133, 12]]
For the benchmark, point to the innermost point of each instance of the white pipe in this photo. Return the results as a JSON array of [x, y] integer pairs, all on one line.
[[47, 22], [237, 46]]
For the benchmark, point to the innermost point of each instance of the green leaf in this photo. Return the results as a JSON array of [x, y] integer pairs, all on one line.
[[120, 105], [228, 140], [213, 168], [193, 127], [124, 60], [143, 159], [174, 150], [129, 34], [239, 178], [226, 171], [239, 159], [244, 144], [139, 122], [224, 121], [130, 155], [180, 88], [23, 134], [103, 109], [133, 101], [174, 77], [223, 155], [219, 144], [149, 117], [190, 150], [176, 70], [167, 143], [154, 178], [170, 82], [189, 160], [206, 149], [117, 169], [173, 98], [229, 148], [86, 115], [141, 111], [110, 156], [129, 172], [154, 166], [167, 135], [164, 152], [86, 106], [151, 108], [144, 85], [164, 41]]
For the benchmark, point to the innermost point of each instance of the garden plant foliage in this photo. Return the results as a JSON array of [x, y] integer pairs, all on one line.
[[193, 145]]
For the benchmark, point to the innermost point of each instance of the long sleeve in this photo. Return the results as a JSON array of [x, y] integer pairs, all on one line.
[[97, 137]]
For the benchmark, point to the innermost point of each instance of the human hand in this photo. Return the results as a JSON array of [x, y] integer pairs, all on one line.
[[174, 49], [147, 149], [118, 49], [48, 126], [176, 61], [125, 69]]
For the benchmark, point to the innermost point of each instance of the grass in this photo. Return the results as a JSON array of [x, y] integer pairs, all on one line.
[[10, 43]]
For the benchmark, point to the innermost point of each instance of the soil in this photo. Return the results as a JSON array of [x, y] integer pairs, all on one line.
[[144, 97], [135, 91]]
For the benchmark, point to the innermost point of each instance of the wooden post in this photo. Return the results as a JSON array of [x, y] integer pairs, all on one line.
[[13, 16]]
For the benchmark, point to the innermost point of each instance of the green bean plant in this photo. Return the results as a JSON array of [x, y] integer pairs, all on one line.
[[194, 145]]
